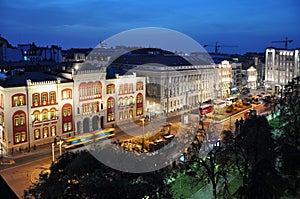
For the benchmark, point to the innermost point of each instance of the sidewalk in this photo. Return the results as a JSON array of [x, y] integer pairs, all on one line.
[[11, 157]]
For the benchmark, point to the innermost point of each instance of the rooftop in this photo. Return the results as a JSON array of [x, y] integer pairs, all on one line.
[[20, 79]]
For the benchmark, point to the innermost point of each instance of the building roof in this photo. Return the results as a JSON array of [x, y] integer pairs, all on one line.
[[15, 79]]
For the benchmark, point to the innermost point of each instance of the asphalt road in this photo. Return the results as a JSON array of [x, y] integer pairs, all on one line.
[[28, 165]]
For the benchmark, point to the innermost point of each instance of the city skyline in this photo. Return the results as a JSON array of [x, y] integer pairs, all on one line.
[[250, 25]]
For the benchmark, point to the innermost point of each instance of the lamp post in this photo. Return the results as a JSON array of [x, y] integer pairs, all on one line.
[[143, 139], [53, 158]]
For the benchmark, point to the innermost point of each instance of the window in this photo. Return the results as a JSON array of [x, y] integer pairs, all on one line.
[[16, 101], [22, 119], [110, 89], [36, 116], [21, 100], [53, 113], [67, 94], [131, 88], [65, 112], [44, 98], [37, 134], [139, 86], [125, 88], [18, 137], [69, 126], [45, 115], [23, 136], [16, 120], [139, 111], [45, 132], [121, 89], [65, 127], [35, 99], [52, 97], [69, 111], [53, 131]]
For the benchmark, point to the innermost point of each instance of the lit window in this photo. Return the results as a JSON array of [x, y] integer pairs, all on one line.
[[69, 111], [69, 126], [44, 98], [131, 88], [52, 97], [18, 137], [45, 132], [16, 120], [53, 131], [16, 100], [65, 112], [52, 114], [21, 119], [36, 99], [37, 134], [36, 116], [45, 115], [21, 100], [65, 127], [23, 136]]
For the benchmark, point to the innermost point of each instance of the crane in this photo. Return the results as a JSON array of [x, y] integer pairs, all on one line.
[[217, 46], [286, 41]]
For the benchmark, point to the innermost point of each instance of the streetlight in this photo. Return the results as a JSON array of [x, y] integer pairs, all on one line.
[[143, 140], [53, 158]]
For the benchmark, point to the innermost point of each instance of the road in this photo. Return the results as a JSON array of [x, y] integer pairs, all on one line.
[[28, 165]]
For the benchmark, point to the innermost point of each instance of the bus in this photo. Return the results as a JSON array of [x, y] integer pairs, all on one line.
[[87, 138], [230, 100], [205, 109]]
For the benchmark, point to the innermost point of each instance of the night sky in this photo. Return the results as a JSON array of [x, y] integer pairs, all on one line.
[[251, 24]]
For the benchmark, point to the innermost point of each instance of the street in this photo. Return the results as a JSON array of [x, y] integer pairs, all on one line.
[[28, 165]]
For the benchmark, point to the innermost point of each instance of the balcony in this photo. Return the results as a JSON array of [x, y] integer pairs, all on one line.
[[43, 122]]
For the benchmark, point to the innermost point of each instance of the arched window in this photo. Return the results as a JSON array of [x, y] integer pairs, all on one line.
[[110, 89], [52, 97], [45, 114], [44, 98], [18, 99], [36, 116], [35, 99]]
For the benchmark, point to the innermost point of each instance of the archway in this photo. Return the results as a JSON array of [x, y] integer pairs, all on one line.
[[86, 125], [95, 123]]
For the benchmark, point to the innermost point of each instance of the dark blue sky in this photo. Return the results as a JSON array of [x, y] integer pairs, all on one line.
[[249, 24]]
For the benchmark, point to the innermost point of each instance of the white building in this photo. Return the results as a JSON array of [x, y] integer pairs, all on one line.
[[281, 66], [35, 107], [252, 78], [222, 79]]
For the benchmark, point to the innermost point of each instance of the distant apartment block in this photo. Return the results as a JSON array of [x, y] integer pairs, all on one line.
[[281, 66]]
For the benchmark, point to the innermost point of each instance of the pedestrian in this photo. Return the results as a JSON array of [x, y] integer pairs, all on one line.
[[237, 125], [241, 122]]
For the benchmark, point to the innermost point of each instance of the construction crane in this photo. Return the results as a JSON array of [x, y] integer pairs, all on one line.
[[217, 46], [286, 41]]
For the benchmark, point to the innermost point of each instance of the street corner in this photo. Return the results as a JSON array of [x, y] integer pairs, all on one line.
[[6, 161]]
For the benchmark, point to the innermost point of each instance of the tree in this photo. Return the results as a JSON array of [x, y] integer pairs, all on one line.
[[255, 159], [212, 167], [289, 137], [80, 175]]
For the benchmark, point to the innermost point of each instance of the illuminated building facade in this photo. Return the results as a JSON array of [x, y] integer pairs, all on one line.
[[35, 108], [281, 66]]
